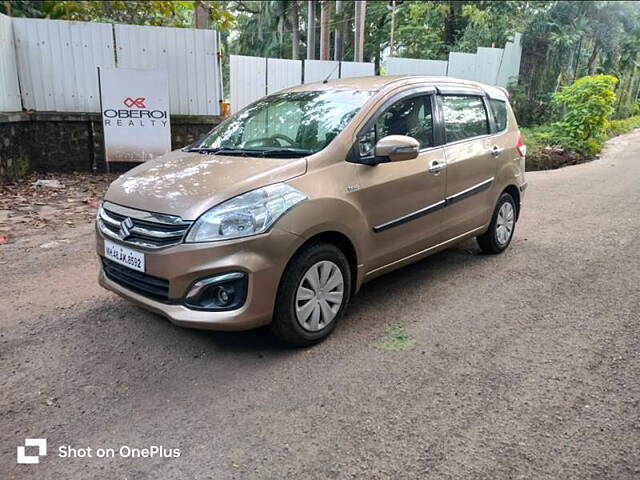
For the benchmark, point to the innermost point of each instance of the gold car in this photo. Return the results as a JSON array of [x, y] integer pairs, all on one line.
[[282, 212]]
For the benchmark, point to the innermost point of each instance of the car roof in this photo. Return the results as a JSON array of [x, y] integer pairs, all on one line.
[[377, 83]]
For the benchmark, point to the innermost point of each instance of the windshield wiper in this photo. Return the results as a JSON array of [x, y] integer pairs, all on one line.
[[223, 151], [249, 152], [287, 152]]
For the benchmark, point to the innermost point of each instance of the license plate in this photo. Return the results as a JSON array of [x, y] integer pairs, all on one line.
[[124, 256]]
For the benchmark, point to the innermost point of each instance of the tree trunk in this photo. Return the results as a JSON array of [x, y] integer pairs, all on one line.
[[311, 30], [201, 15], [360, 16], [324, 30], [339, 33], [593, 59], [295, 31]]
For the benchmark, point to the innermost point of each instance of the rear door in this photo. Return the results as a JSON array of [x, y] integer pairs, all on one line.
[[470, 159]]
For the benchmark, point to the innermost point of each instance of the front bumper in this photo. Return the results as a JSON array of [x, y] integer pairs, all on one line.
[[263, 258]]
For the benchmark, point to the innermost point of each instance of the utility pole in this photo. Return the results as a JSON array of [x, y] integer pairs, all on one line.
[[360, 14], [325, 10], [393, 28], [338, 40], [311, 30]]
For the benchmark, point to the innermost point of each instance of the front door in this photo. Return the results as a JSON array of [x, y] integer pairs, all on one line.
[[403, 200]]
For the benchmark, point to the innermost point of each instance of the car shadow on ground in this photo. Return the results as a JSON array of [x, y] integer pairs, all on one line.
[[426, 273]]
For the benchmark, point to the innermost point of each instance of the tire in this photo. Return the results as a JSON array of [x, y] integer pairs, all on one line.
[[498, 237], [298, 315]]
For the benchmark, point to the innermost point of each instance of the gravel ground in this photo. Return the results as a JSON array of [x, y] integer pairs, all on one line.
[[525, 365]]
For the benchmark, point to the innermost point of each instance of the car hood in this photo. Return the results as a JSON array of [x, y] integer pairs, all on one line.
[[187, 184]]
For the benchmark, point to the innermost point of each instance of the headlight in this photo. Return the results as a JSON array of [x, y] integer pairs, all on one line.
[[247, 214]]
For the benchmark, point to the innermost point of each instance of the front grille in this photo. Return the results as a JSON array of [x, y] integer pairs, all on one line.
[[144, 229], [147, 285]]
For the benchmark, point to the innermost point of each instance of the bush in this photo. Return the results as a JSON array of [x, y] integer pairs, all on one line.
[[618, 127], [588, 104]]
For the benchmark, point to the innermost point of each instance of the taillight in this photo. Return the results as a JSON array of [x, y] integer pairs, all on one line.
[[520, 146]]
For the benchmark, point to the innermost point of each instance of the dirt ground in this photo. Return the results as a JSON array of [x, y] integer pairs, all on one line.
[[525, 365]]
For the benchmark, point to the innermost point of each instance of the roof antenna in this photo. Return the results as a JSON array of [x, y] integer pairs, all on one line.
[[331, 73]]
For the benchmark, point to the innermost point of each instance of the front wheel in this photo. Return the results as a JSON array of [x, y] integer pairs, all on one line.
[[313, 295], [498, 237]]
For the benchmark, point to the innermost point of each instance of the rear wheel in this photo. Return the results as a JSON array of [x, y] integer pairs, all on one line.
[[313, 295], [498, 237]]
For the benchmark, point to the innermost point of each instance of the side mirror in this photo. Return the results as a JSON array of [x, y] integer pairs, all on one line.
[[397, 148]]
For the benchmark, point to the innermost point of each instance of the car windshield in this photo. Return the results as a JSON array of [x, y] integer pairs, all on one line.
[[286, 124]]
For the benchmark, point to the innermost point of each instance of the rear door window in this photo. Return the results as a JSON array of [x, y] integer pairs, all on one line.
[[499, 109], [464, 117]]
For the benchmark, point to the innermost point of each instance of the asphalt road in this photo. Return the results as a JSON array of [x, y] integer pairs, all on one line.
[[526, 364]]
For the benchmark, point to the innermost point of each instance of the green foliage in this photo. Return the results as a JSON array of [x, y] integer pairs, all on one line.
[[618, 127], [150, 12], [588, 103]]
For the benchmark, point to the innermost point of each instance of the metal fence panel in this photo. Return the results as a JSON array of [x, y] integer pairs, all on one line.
[[248, 77], [318, 70], [356, 69], [57, 63], [9, 88], [462, 65], [282, 73], [414, 66], [189, 56], [510, 66], [487, 64]]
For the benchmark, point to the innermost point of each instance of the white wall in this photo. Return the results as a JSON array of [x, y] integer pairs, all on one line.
[[283, 73], [319, 70], [188, 55], [9, 88], [356, 69], [248, 78], [57, 63], [415, 66]]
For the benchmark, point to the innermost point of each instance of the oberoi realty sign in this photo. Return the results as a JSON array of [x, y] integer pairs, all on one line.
[[135, 113]]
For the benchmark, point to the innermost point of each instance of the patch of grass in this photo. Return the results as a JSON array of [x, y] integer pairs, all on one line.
[[396, 339]]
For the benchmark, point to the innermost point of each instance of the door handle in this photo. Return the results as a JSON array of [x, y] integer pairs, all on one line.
[[496, 150], [437, 167]]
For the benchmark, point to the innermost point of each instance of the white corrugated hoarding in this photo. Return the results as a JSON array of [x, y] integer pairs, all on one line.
[[462, 65], [188, 55], [319, 70], [248, 78], [57, 63], [9, 88], [510, 66], [415, 66], [283, 73], [356, 69], [487, 64]]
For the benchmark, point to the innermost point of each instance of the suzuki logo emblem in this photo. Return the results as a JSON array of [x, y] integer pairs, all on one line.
[[134, 102], [125, 228]]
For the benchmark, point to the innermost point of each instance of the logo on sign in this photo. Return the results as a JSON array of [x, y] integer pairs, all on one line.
[[125, 228], [134, 102]]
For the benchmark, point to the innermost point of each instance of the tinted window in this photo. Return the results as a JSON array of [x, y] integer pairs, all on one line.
[[464, 117], [499, 109], [411, 117]]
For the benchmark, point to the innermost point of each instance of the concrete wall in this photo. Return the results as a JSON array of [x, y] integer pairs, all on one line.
[[63, 142]]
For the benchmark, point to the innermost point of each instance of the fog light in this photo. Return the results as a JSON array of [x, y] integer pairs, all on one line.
[[223, 296], [226, 291]]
